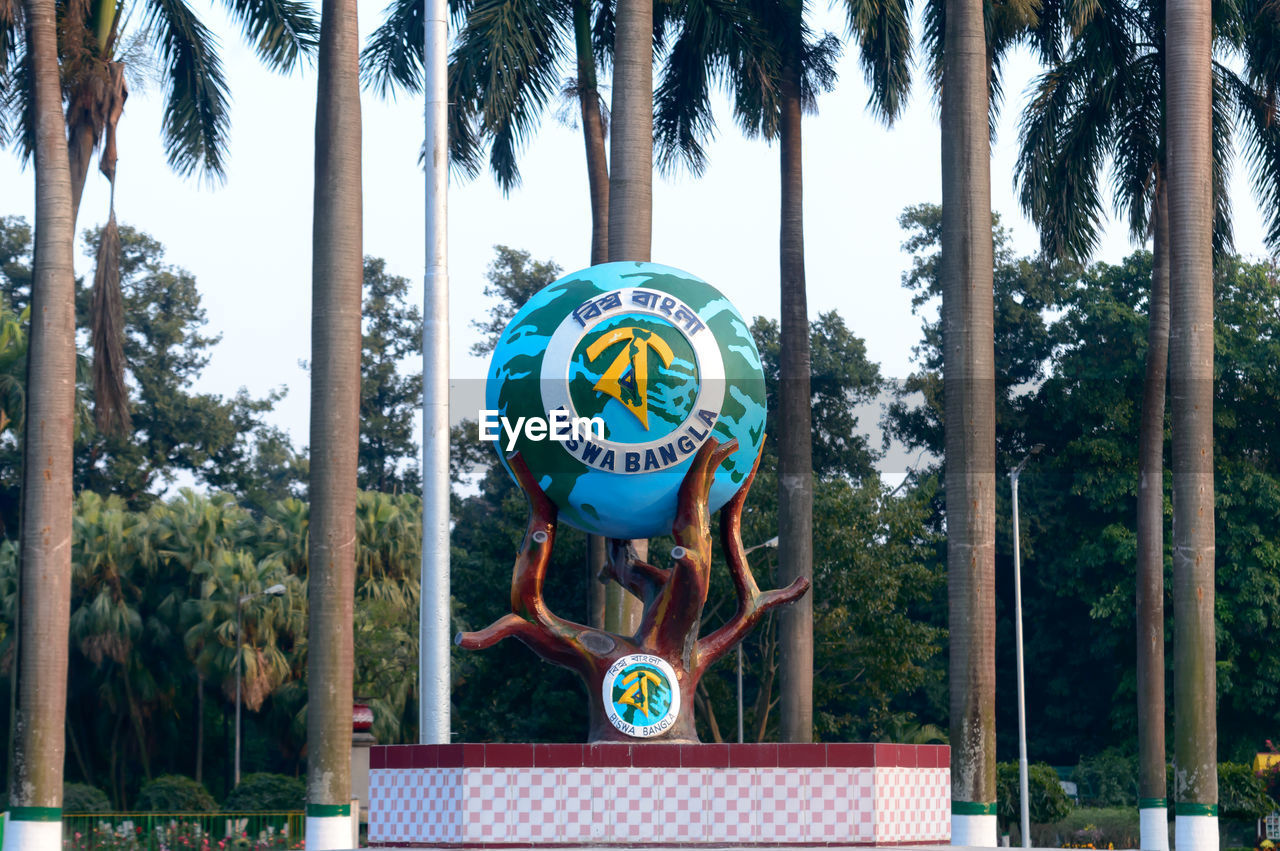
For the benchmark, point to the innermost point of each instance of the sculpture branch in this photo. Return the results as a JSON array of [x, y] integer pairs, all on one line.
[[752, 604], [554, 639], [678, 608], [637, 576]]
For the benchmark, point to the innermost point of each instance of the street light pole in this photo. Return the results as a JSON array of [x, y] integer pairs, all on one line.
[[1023, 791], [273, 591]]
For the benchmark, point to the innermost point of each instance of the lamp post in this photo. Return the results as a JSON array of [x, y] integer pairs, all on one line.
[[273, 591], [772, 543], [1025, 822]]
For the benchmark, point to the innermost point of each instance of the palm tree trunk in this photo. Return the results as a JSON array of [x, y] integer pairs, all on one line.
[[139, 729], [1188, 83], [969, 390], [598, 183], [630, 220], [35, 778], [337, 277], [631, 138], [795, 442], [199, 727], [592, 134], [1150, 590]]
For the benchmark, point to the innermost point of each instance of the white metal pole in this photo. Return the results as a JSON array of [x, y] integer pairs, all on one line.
[[1017, 626], [433, 625]]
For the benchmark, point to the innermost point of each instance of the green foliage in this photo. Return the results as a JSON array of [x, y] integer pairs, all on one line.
[[83, 798], [265, 793], [1241, 793], [513, 277], [1070, 350], [389, 401], [1107, 779], [174, 793], [1102, 827], [1044, 792]]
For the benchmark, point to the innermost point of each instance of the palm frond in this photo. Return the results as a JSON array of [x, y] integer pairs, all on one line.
[[110, 394], [466, 149], [196, 120], [393, 56], [603, 31], [512, 50], [1261, 137], [1061, 153], [17, 110], [1223, 234], [1138, 149], [711, 38], [882, 29], [10, 38], [818, 63], [282, 32]]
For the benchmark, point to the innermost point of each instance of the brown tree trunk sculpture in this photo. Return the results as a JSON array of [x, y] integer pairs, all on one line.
[[673, 597]]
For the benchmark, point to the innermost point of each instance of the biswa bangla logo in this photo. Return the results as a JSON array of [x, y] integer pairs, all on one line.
[[641, 695], [632, 382]]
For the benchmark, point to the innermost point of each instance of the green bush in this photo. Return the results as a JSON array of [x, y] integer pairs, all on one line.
[[83, 798], [265, 793], [1048, 802], [1098, 826], [1108, 779], [1241, 793], [174, 793]]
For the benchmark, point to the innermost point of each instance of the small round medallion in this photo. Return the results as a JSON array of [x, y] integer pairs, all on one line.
[[641, 695]]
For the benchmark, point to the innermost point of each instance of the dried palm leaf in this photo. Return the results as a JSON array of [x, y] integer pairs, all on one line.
[[110, 396]]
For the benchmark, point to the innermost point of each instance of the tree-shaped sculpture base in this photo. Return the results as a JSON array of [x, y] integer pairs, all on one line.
[[673, 598]]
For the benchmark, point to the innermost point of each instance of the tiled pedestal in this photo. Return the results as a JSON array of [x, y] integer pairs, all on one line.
[[507, 795]]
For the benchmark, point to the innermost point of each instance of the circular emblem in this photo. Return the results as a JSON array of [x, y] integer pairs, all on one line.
[[609, 381], [641, 695]]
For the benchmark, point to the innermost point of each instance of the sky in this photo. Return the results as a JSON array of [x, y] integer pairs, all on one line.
[[247, 241]]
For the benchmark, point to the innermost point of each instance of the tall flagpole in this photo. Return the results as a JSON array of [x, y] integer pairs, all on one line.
[[433, 659]]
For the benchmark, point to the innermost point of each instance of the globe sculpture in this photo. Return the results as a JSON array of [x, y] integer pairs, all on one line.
[[628, 400], [608, 381]]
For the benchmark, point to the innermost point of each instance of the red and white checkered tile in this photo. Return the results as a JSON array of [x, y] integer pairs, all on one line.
[[510, 805], [415, 805], [913, 804], [783, 795], [660, 805], [728, 805]]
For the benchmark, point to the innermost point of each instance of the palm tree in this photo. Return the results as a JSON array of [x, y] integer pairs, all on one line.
[[965, 42], [95, 48], [503, 72], [966, 275], [35, 774], [776, 66], [1189, 134], [337, 275], [1104, 100]]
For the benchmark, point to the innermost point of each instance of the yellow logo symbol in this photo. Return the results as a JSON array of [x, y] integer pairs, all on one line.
[[627, 378], [637, 693]]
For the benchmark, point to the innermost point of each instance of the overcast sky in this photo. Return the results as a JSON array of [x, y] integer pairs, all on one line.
[[248, 241]]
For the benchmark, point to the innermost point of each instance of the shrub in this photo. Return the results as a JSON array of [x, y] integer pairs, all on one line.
[[1108, 779], [83, 798], [174, 793], [1100, 827], [261, 793], [1241, 793], [1048, 802]]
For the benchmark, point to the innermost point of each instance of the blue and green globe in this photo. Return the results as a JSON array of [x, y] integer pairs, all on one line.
[[615, 376]]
